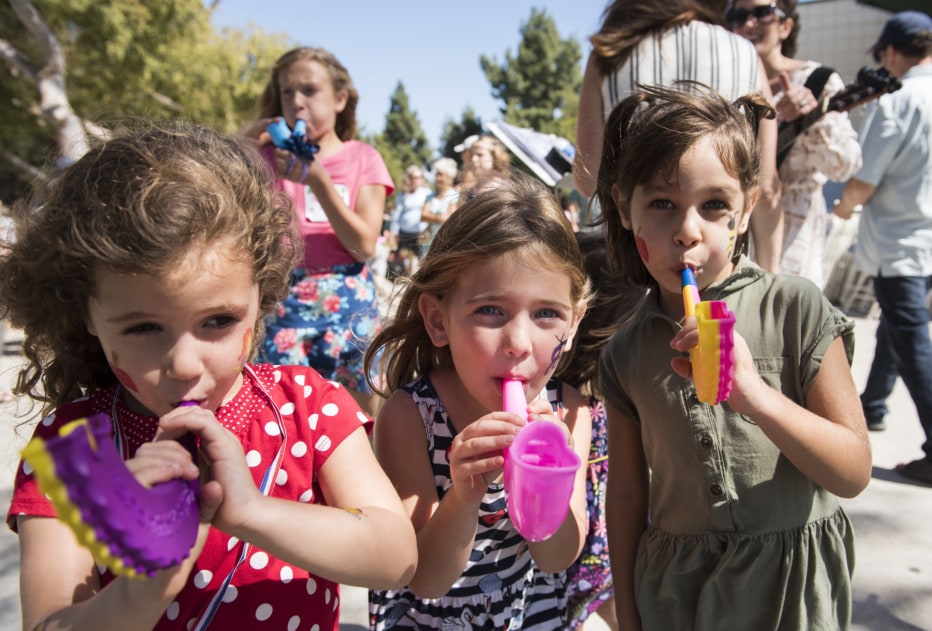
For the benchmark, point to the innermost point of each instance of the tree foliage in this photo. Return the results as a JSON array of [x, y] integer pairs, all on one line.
[[125, 58], [129, 58], [538, 84], [403, 130]]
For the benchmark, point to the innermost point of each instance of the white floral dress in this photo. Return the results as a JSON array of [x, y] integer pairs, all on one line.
[[827, 150]]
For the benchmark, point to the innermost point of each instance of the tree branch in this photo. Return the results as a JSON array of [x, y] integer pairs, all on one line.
[[18, 61], [23, 166]]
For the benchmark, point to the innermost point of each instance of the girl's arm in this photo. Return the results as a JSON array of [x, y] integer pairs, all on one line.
[[767, 218], [361, 537], [430, 217], [625, 510], [827, 439], [59, 583], [446, 530], [357, 228], [589, 124], [558, 552]]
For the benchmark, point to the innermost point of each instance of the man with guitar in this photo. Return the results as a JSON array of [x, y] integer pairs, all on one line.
[[894, 243]]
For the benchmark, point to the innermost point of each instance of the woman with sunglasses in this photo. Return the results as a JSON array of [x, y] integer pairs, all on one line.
[[645, 42], [826, 150]]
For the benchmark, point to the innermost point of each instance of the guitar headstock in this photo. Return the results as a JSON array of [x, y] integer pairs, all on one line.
[[869, 84]]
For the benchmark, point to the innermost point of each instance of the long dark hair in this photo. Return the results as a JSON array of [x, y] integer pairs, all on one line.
[[626, 22]]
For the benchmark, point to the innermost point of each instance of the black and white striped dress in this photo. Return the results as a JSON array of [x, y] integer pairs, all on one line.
[[500, 588]]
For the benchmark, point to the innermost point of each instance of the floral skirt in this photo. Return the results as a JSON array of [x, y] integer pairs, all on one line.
[[325, 323], [589, 579]]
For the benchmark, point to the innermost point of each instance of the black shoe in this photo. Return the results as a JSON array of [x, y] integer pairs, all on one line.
[[876, 425], [920, 470]]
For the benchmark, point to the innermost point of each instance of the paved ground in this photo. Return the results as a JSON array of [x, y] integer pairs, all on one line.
[[893, 577]]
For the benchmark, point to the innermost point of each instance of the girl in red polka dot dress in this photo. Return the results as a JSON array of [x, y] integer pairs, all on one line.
[[141, 280]]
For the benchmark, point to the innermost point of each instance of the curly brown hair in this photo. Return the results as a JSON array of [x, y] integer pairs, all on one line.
[[135, 204], [510, 216]]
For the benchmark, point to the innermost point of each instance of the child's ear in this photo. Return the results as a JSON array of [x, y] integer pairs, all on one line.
[[622, 206], [750, 201], [342, 97], [434, 317]]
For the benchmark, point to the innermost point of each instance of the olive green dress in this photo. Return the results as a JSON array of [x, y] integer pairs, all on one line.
[[738, 538]]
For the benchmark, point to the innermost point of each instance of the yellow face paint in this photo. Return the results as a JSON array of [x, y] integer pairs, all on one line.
[[247, 345]]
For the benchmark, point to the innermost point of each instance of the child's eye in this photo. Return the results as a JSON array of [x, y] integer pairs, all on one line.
[[488, 310], [548, 313], [717, 204], [662, 204], [221, 322], [142, 328]]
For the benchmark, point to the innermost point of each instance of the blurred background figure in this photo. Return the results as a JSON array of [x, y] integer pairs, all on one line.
[[570, 209], [443, 200], [894, 243], [406, 225], [827, 149], [483, 157], [658, 43]]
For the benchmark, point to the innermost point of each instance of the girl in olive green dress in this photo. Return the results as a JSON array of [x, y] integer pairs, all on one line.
[[720, 516]]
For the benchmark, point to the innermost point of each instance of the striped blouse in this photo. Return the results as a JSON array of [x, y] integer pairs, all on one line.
[[696, 51], [501, 587]]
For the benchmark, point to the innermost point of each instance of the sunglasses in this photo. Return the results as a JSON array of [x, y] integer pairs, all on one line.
[[764, 14]]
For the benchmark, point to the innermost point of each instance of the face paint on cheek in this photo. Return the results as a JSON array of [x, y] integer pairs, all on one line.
[[557, 352], [642, 248], [247, 345], [732, 233], [121, 375]]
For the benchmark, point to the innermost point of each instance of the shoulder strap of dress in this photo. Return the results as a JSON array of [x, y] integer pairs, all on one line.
[[817, 79]]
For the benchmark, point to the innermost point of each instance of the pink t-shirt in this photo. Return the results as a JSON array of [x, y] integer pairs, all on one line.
[[317, 415], [355, 165]]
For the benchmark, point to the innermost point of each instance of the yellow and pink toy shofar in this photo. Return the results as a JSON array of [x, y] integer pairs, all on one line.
[[713, 359]]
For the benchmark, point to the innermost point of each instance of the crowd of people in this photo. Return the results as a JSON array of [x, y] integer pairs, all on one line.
[[185, 282]]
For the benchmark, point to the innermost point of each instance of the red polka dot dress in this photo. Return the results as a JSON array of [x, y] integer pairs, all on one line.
[[289, 420]]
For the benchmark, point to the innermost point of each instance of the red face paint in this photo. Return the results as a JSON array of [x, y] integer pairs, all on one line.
[[121, 375], [642, 249]]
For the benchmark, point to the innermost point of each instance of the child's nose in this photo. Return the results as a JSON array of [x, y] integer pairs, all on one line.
[[517, 339], [689, 231], [183, 361]]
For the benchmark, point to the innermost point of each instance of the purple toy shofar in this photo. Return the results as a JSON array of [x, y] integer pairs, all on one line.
[[147, 528]]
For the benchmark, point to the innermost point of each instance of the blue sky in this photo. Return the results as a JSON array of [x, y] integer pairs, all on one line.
[[433, 48]]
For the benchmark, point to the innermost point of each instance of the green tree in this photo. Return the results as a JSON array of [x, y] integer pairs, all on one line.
[[403, 141], [403, 130], [539, 84], [112, 59]]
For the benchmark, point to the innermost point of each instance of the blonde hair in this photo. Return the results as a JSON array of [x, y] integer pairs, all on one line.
[[517, 217]]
